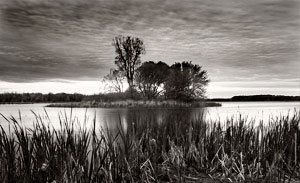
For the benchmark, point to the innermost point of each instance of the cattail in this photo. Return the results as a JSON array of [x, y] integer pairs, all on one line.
[[152, 144], [44, 167], [295, 149]]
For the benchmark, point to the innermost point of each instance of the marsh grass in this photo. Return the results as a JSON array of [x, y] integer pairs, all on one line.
[[172, 151]]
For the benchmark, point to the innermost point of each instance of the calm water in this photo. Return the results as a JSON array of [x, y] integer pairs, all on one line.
[[111, 118]]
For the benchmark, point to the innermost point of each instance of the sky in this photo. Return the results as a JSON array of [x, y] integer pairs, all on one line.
[[247, 47]]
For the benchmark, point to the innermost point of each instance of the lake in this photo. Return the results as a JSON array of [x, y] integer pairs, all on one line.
[[111, 117]]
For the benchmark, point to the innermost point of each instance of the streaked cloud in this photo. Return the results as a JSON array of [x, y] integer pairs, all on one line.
[[235, 40], [83, 87]]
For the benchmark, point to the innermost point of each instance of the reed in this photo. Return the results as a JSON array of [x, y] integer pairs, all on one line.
[[172, 151]]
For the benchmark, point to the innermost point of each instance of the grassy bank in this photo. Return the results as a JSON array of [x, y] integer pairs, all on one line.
[[173, 151], [135, 103]]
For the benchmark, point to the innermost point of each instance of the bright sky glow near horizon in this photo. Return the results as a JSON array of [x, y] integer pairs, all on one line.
[[247, 47]]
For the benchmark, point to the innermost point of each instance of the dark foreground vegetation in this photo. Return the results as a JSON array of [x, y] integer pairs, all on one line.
[[173, 151]]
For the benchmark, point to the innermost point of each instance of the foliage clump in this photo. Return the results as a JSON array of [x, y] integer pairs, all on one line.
[[183, 81]]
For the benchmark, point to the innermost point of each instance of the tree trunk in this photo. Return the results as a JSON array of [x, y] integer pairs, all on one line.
[[130, 83]]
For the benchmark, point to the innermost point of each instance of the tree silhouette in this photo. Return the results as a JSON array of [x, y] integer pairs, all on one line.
[[128, 50], [186, 81], [150, 77]]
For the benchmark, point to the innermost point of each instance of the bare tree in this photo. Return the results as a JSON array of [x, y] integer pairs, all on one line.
[[128, 50], [114, 81]]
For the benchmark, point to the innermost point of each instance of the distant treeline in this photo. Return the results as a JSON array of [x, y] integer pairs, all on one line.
[[39, 97], [259, 98], [7, 98], [110, 97]]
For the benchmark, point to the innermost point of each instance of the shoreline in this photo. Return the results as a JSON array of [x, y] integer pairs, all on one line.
[[133, 103]]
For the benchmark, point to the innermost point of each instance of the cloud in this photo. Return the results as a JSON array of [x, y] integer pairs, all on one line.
[[83, 87], [71, 39]]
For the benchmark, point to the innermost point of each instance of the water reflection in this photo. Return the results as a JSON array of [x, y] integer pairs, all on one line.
[[128, 118], [137, 117]]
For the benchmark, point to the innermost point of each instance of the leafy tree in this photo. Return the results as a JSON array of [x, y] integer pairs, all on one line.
[[150, 77], [114, 81], [129, 50], [186, 81]]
